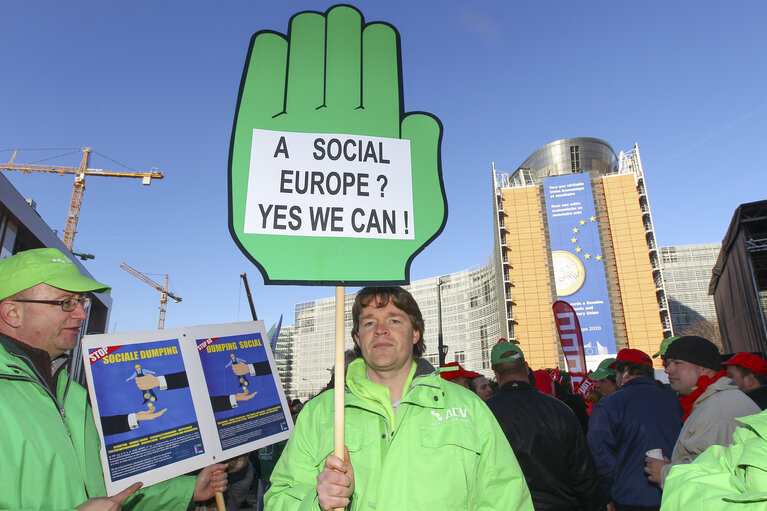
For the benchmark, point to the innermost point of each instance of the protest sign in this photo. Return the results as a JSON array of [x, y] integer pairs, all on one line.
[[168, 402], [331, 182]]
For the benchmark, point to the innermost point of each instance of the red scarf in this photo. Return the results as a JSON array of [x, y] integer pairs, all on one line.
[[702, 384]]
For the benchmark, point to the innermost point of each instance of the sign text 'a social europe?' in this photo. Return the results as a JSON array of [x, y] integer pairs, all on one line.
[[309, 184]]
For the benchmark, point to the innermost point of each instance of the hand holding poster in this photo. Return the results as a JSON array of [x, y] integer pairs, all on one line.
[[324, 160], [168, 402]]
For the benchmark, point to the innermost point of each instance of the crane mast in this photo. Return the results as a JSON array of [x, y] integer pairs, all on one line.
[[162, 289], [79, 172]]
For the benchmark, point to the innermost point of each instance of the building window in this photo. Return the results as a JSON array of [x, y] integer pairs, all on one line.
[[575, 158], [460, 357], [669, 255], [484, 346]]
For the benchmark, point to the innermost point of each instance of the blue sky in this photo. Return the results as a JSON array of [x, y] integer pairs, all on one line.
[[154, 84]]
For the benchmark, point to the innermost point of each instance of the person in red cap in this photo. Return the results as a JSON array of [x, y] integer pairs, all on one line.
[[455, 373], [749, 372], [481, 387], [633, 356], [626, 424]]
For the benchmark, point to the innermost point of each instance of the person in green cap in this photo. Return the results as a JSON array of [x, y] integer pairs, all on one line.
[[50, 444], [605, 378], [664, 344], [545, 435]]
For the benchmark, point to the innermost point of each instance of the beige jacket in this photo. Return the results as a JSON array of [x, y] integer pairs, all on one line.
[[712, 422]]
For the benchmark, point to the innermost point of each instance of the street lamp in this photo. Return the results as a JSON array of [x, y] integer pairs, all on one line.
[[442, 349]]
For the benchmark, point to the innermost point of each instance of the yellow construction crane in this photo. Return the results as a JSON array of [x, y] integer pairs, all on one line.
[[161, 289], [77, 194]]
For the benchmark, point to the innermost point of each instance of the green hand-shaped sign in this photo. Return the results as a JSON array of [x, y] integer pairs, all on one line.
[[330, 181]]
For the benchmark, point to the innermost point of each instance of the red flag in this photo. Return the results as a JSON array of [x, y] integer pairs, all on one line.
[[572, 342], [586, 385], [556, 376]]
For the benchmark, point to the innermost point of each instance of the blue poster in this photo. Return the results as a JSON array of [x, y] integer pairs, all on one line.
[[576, 253], [146, 411], [169, 402], [243, 394]]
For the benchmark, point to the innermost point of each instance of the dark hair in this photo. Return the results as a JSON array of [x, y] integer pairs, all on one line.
[[760, 378], [380, 297], [473, 383], [641, 370], [513, 368]]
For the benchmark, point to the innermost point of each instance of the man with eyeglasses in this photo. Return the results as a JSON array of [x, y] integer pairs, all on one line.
[[50, 444]]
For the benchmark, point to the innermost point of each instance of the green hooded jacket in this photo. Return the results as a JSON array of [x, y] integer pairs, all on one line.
[[724, 478], [50, 458], [441, 449]]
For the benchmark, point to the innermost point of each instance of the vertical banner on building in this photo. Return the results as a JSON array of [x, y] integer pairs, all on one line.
[[576, 253], [570, 338]]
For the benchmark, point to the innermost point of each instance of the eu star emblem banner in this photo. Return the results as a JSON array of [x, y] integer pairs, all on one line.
[[576, 252]]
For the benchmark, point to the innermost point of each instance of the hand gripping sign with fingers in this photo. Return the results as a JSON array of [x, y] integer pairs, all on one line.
[[330, 181]]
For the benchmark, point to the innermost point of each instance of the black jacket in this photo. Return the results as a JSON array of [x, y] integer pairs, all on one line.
[[759, 395], [550, 447]]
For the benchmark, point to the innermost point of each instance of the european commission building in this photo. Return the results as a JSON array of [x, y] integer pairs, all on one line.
[[571, 223]]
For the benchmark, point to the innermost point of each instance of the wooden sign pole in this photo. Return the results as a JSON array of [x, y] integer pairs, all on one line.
[[340, 377]]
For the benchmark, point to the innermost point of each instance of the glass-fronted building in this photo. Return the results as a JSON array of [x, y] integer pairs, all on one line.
[[463, 305], [687, 274]]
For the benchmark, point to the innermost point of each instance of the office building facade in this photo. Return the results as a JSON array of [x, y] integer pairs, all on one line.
[[464, 306], [573, 223], [686, 275]]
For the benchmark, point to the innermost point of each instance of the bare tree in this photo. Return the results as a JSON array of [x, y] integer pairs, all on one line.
[[703, 328]]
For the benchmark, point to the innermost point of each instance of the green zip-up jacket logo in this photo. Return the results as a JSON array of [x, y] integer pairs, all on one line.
[[441, 449]]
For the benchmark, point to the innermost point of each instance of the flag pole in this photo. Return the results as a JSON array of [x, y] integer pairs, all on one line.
[[339, 377]]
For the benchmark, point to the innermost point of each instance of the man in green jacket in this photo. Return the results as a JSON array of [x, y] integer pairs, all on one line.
[[50, 444], [724, 478], [413, 440]]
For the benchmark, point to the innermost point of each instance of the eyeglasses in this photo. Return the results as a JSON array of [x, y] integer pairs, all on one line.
[[67, 305]]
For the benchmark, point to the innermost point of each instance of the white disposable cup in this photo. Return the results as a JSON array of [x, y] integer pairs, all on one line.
[[655, 453]]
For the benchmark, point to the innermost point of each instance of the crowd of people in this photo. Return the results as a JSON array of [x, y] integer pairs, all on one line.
[[633, 444], [416, 436]]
